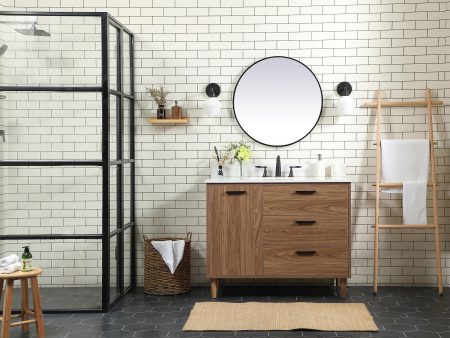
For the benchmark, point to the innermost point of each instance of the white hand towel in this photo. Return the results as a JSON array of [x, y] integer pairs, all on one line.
[[414, 202], [11, 268], [407, 161], [8, 260], [171, 252]]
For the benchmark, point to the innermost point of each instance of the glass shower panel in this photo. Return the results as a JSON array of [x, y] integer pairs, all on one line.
[[113, 56], [51, 126], [127, 258], [72, 277], [114, 102], [126, 194], [58, 51], [126, 63], [113, 221], [113, 276], [51, 200], [126, 129]]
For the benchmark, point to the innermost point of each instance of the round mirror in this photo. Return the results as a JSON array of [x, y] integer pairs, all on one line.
[[277, 101]]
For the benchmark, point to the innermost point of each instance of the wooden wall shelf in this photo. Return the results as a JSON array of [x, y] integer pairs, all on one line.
[[163, 122]]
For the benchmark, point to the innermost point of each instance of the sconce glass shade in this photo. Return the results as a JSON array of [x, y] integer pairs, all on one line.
[[212, 106], [345, 105]]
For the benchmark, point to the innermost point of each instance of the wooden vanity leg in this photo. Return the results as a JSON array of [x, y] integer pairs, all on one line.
[[214, 287], [343, 287], [338, 283]]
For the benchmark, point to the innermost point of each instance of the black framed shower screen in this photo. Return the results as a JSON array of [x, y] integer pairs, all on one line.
[[124, 101]]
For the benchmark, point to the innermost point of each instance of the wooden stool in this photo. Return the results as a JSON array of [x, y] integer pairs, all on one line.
[[25, 310]]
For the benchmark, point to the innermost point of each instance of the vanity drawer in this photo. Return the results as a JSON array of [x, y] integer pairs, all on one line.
[[300, 253], [307, 200], [311, 221]]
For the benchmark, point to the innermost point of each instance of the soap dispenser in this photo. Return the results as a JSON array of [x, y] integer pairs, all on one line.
[[320, 166], [27, 259]]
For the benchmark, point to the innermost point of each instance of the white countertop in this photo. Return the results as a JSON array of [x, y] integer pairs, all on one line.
[[299, 179]]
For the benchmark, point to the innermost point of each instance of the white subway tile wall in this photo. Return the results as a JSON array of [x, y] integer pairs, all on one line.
[[399, 46]]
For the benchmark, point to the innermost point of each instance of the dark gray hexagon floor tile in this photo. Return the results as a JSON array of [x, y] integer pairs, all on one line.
[[421, 334], [386, 333], [177, 326], [108, 327], [152, 314], [421, 315], [175, 315], [434, 327], [160, 320], [400, 327], [137, 308], [388, 314], [97, 321], [128, 320], [152, 334], [444, 334], [84, 334], [139, 327], [412, 321], [117, 334], [438, 320], [166, 309]]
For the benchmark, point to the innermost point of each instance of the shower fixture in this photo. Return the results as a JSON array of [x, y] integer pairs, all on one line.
[[3, 49], [2, 97], [2, 135], [33, 31]]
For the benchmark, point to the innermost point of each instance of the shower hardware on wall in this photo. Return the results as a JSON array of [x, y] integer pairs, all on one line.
[[2, 135], [33, 31], [3, 49]]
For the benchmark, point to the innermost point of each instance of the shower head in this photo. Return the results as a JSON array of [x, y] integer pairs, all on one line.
[[3, 49], [33, 31]]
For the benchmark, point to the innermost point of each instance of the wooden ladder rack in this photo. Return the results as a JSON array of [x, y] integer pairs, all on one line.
[[429, 103]]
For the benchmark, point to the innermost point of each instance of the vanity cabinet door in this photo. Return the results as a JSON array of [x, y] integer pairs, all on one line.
[[234, 230]]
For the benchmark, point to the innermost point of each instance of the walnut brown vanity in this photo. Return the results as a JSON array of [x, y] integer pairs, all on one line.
[[278, 228]]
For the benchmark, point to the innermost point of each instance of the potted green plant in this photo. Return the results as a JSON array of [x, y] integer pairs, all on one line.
[[160, 97]]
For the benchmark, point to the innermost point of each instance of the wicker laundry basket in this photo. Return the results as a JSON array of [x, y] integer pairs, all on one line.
[[157, 277]]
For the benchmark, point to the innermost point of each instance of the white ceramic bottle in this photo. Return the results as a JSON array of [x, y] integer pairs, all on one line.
[[320, 166]]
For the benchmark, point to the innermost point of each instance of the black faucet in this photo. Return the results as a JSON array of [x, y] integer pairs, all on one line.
[[278, 167]]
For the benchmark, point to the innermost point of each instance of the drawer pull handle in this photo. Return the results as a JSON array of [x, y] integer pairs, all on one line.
[[305, 192], [305, 253], [236, 192], [305, 222]]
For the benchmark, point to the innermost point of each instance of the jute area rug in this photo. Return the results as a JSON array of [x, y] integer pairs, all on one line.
[[260, 316]]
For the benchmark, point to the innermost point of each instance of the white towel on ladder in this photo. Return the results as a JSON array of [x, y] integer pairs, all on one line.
[[407, 161], [171, 252]]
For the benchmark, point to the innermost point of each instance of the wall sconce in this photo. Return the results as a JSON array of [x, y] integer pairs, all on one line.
[[212, 104], [345, 104]]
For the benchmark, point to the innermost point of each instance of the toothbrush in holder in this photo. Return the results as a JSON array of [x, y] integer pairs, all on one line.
[[219, 162]]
